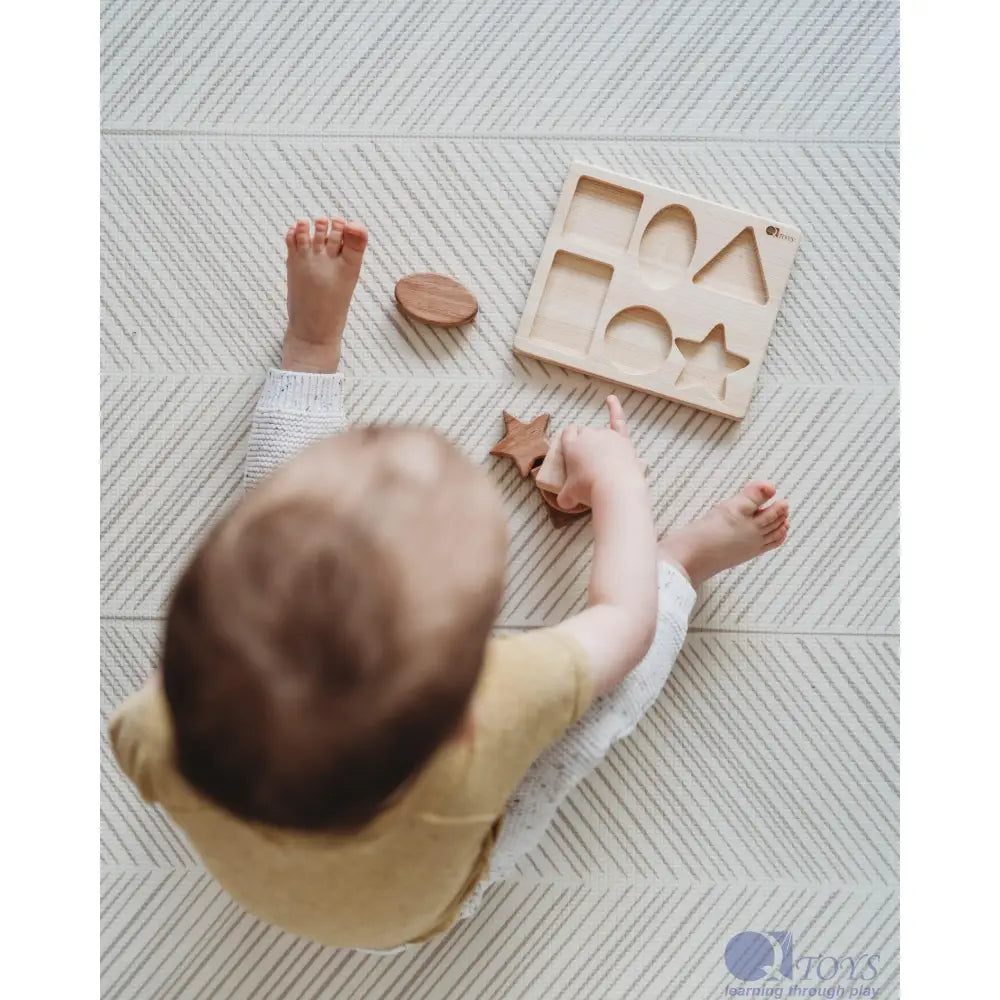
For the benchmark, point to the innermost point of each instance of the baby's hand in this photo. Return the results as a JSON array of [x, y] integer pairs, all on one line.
[[598, 458]]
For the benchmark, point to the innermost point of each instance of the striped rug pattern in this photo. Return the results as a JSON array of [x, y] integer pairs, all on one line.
[[760, 794]]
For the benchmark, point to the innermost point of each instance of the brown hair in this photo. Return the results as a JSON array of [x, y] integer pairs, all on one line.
[[306, 680]]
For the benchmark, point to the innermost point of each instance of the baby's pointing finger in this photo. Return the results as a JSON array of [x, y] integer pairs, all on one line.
[[616, 416]]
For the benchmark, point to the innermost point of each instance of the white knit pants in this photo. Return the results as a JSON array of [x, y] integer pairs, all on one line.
[[611, 718]]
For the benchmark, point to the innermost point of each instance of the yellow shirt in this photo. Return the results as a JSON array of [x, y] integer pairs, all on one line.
[[404, 877]]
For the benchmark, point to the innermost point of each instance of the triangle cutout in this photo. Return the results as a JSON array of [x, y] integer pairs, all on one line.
[[736, 270]]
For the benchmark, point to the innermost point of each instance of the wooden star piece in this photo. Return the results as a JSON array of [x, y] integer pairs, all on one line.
[[525, 444]]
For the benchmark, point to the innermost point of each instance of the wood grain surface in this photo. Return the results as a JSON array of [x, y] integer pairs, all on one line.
[[524, 443], [630, 269], [435, 299]]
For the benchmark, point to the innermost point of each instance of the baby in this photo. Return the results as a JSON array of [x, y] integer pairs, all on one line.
[[332, 725]]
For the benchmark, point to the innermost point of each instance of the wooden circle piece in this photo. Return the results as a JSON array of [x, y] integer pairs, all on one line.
[[552, 500], [561, 518], [435, 299]]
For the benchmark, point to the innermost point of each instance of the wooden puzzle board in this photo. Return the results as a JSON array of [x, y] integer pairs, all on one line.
[[657, 290]]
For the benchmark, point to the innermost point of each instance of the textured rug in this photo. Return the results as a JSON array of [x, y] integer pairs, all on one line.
[[759, 797]]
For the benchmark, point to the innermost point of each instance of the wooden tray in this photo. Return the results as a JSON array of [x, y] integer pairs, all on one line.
[[657, 290]]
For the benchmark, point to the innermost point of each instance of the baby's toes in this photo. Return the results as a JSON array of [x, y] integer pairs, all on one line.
[[319, 235], [776, 537], [335, 236], [755, 494], [771, 516], [290, 238], [355, 241], [301, 235]]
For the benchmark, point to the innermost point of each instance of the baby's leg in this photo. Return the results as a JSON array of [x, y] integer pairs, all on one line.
[[732, 532], [304, 400], [610, 718]]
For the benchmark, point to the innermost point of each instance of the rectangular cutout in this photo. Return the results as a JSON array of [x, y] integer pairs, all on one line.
[[572, 301], [603, 214]]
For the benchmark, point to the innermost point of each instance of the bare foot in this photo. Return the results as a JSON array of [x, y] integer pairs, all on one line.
[[323, 268], [732, 532]]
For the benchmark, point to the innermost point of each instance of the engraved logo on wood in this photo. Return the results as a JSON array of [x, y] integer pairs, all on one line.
[[776, 232]]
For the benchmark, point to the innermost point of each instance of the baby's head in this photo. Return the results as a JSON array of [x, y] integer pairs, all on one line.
[[327, 635]]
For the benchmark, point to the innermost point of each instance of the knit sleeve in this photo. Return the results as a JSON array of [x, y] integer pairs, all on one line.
[[295, 409]]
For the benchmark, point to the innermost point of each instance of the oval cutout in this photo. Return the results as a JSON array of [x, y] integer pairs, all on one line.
[[667, 246], [637, 340]]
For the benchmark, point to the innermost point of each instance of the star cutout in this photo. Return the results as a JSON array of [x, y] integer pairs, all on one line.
[[708, 363], [525, 444]]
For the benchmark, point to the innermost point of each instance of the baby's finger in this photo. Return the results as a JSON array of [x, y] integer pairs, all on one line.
[[616, 416], [569, 436], [567, 497]]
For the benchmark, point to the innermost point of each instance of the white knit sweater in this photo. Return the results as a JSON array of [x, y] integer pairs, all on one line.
[[294, 410]]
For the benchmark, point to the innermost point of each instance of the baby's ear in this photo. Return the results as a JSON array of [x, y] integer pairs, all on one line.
[[140, 737]]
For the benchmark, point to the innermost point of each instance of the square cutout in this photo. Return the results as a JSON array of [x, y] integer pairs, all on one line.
[[571, 304], [603, 214]]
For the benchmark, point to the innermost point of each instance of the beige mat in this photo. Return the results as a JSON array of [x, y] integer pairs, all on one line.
[[760, 794]]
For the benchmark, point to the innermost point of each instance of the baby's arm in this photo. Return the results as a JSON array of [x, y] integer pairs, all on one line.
[[624, 611], [618, 625]]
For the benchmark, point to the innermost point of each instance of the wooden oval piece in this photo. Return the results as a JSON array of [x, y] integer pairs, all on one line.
[[436, 299]]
